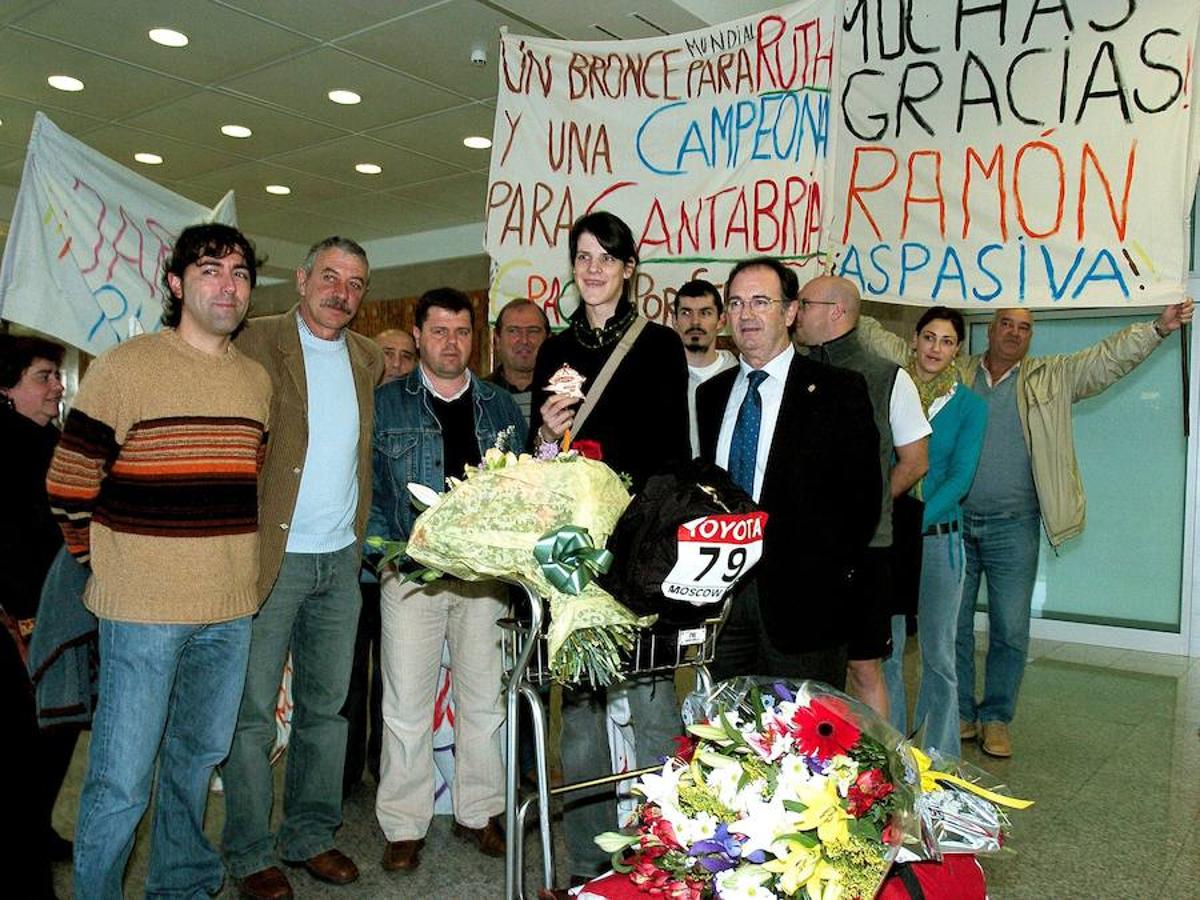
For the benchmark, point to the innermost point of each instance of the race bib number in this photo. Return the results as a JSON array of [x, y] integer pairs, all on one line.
[[714, 553]]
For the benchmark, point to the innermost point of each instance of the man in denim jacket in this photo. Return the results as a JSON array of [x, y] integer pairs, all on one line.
[[430, 424]]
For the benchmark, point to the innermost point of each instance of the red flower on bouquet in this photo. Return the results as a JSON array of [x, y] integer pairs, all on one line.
[[868, 789], [823, 729], [659, 827], [685, 747], [590, 449]]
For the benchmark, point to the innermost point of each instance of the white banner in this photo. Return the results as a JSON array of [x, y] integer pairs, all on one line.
[[87, 243], [1014, 153], [711, 145], [1042, 154]]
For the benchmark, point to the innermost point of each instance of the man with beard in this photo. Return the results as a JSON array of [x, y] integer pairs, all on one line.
[[431, 424], [314, 496], [699, 318]]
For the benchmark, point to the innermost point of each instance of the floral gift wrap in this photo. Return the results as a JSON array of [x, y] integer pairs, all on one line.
[[542, 522], [790, 789]]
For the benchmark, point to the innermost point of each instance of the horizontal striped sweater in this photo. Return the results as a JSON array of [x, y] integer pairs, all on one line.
[[155, 481]]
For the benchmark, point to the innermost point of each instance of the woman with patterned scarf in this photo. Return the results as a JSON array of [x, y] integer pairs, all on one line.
[[929, 575], [637, 425]]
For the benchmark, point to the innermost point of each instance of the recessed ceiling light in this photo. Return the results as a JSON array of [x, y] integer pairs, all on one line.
[[368, 168], [168, 37], [65, 83], [346, 98], [236, 131], [280, 189], [150, 159], [475, 142]]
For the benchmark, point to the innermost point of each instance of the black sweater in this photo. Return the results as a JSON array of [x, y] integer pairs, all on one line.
[[641, 419]]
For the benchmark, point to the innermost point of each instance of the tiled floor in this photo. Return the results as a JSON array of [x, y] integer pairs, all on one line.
[[1107, 742]]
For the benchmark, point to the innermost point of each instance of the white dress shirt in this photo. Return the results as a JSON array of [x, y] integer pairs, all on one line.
[[771, 392]]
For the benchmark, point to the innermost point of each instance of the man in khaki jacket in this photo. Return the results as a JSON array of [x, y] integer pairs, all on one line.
[[314, 497], [1027, 474]]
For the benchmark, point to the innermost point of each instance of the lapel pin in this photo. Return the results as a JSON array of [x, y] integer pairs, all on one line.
[[811, 388]]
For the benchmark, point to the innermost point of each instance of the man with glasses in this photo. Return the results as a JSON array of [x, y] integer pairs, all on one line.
[[699, 318], [826, 325], [799, 437]]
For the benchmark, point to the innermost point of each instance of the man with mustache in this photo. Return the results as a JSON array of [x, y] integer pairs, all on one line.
[[699, 318], [314, 495], [431, 424]]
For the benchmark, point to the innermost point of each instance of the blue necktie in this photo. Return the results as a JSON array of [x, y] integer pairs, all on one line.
[[743, 449]]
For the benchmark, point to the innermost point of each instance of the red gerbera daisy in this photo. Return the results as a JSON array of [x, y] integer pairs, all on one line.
[[823, 729]]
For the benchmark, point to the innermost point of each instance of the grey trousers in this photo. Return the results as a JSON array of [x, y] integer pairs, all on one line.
[[654, 715]]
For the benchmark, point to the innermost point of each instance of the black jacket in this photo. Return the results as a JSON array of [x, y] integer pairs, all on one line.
[[821, 491], [641, 419], [29, 536]]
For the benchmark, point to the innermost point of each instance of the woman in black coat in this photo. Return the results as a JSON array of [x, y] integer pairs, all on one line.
[[34, 763], [638, 425]]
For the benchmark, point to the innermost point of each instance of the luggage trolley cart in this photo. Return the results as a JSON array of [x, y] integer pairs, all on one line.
[[527, 665]]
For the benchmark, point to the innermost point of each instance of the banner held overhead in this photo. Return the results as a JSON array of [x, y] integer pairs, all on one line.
[[711, 145], [85, 252]]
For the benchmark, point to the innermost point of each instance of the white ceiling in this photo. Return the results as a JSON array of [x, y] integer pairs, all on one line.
[[268, 64]]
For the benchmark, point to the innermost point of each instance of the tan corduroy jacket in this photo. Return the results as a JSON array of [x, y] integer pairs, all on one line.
[[1046, 388], [274, 341]]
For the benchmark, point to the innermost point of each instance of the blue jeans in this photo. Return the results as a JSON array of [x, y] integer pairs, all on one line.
[[169, 692], [938, 602], [1004, 548], [313, 610]]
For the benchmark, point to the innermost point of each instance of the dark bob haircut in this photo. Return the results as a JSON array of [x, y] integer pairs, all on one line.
[[788, 279], [447, 298], [953, 316], [18, 351], [612, 234], [197, 241]]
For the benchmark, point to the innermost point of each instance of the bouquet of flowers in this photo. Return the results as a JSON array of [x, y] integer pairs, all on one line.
[[778, 793], [542, 522]]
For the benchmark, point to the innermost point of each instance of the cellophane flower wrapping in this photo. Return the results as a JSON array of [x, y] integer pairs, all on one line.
[[782, 789], [956, 819], [486, 525]]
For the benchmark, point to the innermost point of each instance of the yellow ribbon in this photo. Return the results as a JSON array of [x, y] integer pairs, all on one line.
[[931, 780]]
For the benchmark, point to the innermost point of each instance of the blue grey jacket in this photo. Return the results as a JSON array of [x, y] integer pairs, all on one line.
[[407, 446]]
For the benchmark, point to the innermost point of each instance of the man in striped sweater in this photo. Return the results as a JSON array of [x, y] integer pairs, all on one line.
[[155, 485]]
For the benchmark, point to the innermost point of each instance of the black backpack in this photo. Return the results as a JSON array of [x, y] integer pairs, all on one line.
[[645, 542]]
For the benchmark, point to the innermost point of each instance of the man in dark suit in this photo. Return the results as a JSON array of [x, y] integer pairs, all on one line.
[[800, 438]]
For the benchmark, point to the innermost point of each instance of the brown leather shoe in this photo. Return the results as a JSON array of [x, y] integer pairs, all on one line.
[[967, 731], [402, 856], [489, 839], [995, 739], [332, 867], [265, 884]]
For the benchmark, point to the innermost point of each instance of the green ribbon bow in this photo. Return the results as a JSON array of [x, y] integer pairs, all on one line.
[[569, 559]]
